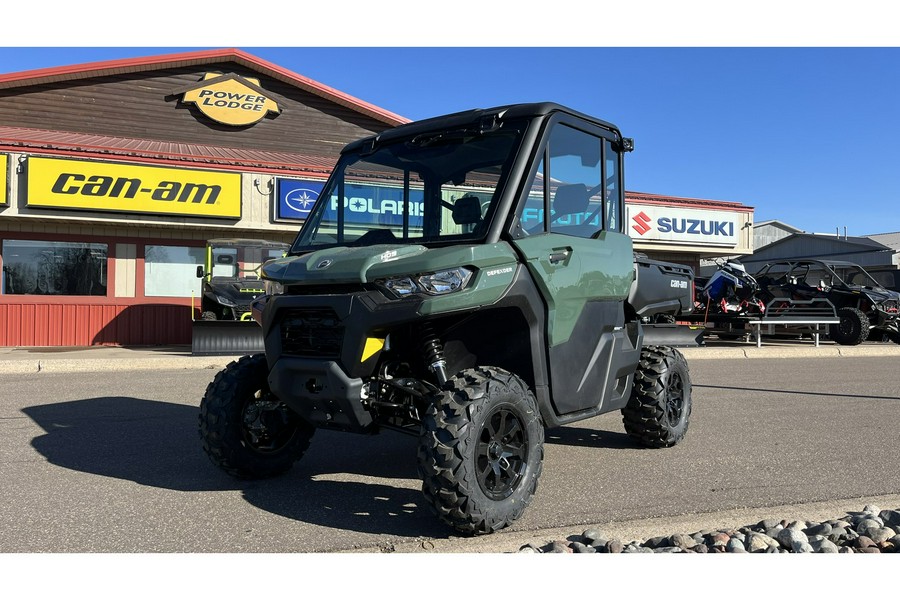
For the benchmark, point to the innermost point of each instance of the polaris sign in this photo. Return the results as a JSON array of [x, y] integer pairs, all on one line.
[[296, 198], [681, 225]]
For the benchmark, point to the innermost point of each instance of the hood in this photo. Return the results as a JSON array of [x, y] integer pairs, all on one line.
[[880, 295], [346, 264], [237, 290]]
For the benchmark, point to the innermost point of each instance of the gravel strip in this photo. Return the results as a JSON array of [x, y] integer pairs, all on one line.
[[869, 531]]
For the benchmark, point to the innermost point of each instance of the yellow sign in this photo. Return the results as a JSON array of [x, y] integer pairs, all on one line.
[[4, 179], [231, 99], [78, 184]]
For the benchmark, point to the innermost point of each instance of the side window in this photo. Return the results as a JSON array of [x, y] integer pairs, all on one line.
[[580, 172], [576, 190], [613, 187], [531, 220]]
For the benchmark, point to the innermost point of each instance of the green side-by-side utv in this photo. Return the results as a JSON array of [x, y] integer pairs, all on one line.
[[467, 280]]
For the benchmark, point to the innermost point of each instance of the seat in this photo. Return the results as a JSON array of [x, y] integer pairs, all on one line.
[[467, 210], [570, 199]]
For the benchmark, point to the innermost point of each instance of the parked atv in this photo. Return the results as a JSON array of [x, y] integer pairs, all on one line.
[[864, 307], [466, 280], [231, 280], [731, 291]]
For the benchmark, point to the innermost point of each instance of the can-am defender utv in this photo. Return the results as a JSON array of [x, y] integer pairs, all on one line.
[[465, 279]]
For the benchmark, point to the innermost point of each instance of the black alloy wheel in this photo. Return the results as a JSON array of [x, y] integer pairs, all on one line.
[[501, 454], [268, 425], [246, 431], [674, 399], [481, 450]]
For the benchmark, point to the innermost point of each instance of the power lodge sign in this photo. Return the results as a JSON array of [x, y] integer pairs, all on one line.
[[231, 99], [85, 185]]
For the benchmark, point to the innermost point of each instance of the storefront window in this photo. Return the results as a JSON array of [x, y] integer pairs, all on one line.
[[172, 271], [43, 268]]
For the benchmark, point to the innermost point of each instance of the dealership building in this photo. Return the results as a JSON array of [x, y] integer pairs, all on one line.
[[113, 175]]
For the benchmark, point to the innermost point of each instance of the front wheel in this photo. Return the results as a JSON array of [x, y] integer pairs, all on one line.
[[659, 409], [246, 431], [853, 328], [481, 451]]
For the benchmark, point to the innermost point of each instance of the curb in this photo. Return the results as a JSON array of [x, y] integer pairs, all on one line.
[[66, 365], [784, 352], [508, 542]]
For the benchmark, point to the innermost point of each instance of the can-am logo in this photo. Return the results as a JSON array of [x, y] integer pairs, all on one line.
[[230, 99]]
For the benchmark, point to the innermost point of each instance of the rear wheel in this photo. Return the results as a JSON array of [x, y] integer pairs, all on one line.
[[246, 431], [659, 410], [853, 328], [892, 335], [481, 450]]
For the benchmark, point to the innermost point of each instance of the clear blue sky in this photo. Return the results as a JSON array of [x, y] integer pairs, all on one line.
[[805, 135]]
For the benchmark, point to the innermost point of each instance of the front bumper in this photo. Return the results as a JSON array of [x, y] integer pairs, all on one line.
[[321, 393], [316, 351]]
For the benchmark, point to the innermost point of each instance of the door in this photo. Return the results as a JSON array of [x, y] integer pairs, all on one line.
[[570, 235]]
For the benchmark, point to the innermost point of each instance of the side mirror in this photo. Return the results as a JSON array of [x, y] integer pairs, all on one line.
[[200, 271]]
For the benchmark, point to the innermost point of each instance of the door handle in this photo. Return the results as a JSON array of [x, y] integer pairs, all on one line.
[[558, 256]]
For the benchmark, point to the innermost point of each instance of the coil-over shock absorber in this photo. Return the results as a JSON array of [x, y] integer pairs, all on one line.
[[434, 353]]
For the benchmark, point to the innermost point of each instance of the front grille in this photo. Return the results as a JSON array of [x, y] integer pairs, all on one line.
[[890, 307], [326, 289], [311, 333], [241, 309]]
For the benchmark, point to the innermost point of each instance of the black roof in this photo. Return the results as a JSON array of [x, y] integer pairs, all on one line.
[[461, 119]]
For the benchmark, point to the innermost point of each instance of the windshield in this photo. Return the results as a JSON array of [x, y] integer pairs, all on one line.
[[854, 275], [241, 262], [434, 188]]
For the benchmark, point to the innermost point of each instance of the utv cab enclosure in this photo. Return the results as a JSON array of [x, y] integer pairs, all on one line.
[[466, 279]]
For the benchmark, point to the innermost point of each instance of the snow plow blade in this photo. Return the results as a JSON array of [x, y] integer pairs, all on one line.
[[670, 334], [226, 338]]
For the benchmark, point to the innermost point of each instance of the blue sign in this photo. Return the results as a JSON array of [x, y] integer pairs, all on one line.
[[296, 198]]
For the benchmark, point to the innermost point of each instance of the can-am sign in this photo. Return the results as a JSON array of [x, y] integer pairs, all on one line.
[[231, 99], [115, 187], [681, 225]]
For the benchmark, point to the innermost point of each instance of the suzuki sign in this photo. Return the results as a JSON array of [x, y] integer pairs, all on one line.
[[681, 225]]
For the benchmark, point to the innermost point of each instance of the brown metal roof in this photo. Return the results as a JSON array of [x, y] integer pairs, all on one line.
[[201, 57], [675, 202], [20, 139]]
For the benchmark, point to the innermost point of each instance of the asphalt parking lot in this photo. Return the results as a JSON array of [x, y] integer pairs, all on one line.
[[118, 358]]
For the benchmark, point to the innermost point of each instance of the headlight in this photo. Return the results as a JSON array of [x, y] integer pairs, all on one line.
[[224, 301], [273, 288], [431, 284]]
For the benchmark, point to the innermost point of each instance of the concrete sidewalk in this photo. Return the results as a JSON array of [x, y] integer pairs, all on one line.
[[117, 358], [104, 358]]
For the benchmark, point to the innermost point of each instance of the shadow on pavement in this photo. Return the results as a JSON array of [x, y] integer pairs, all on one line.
[[590, 438], [157, 444]]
